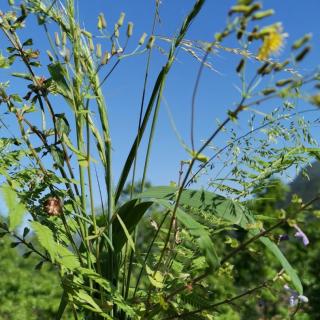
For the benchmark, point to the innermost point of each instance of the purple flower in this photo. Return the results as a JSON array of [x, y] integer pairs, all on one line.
[[301, 235], [295, 297], [283, 237]]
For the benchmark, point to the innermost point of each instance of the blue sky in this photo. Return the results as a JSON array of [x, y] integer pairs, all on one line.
[[217, 91]]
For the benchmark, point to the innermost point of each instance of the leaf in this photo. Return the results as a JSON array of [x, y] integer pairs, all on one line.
[[220, 206], [125, 230], [156, 279], [82, 158], [28, 42], [58, 72], [284, 262], [58, 253], [130, 213], [4, 62], [62, 124], [45, 238], [66, 258], [115, 295], [25, 76], [227, 209], [85, 298], [198, 231], [16, 209]]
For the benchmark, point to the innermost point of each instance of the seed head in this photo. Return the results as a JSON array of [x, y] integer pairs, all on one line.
[[53, 206]]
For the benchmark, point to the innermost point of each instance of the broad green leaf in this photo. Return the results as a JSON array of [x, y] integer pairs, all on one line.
[[284, 262], [16, 209], [130, 213], [227, 209], [125, 230]]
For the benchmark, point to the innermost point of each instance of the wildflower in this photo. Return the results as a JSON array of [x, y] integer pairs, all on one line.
[[283, 237], [53, 206], [295, 298], [301, 235], [272, 42]]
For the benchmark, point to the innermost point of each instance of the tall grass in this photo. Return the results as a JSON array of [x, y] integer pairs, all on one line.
[[110, 265]]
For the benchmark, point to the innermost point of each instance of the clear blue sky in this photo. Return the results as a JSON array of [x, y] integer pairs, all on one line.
[[217, 92]]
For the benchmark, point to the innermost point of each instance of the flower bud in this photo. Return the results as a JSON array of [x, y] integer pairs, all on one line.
[[300, 42], [57, 39], [102, 23], [150, 42], [302, 54], [64, 38], [98, 50], [121, 19], [263, 14], [283, 82], [240, 66], [105, 58], [116, 31], [142, 39], [129, 29]]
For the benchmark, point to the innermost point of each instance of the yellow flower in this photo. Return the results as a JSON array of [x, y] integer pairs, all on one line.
[[272, 43]]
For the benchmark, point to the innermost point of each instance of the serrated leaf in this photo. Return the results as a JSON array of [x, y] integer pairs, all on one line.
[[16, 209], [156, 279], [198, 231], [227, 209], [45, 238]]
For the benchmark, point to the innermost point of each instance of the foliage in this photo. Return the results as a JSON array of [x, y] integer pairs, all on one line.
[[27, 293], [109, 268]]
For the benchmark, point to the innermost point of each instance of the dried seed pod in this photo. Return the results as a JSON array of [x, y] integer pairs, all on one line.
[[53, 206]]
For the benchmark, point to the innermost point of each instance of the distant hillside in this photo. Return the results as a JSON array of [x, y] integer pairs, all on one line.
[[307, 189]]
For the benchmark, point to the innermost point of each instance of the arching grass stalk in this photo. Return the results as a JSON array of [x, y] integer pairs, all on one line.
[[159, 82]]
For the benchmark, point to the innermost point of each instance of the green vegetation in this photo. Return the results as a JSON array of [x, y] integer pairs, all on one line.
[[178, 251]]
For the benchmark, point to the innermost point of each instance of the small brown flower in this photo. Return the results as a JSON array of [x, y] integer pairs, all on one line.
[[53, 206]]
